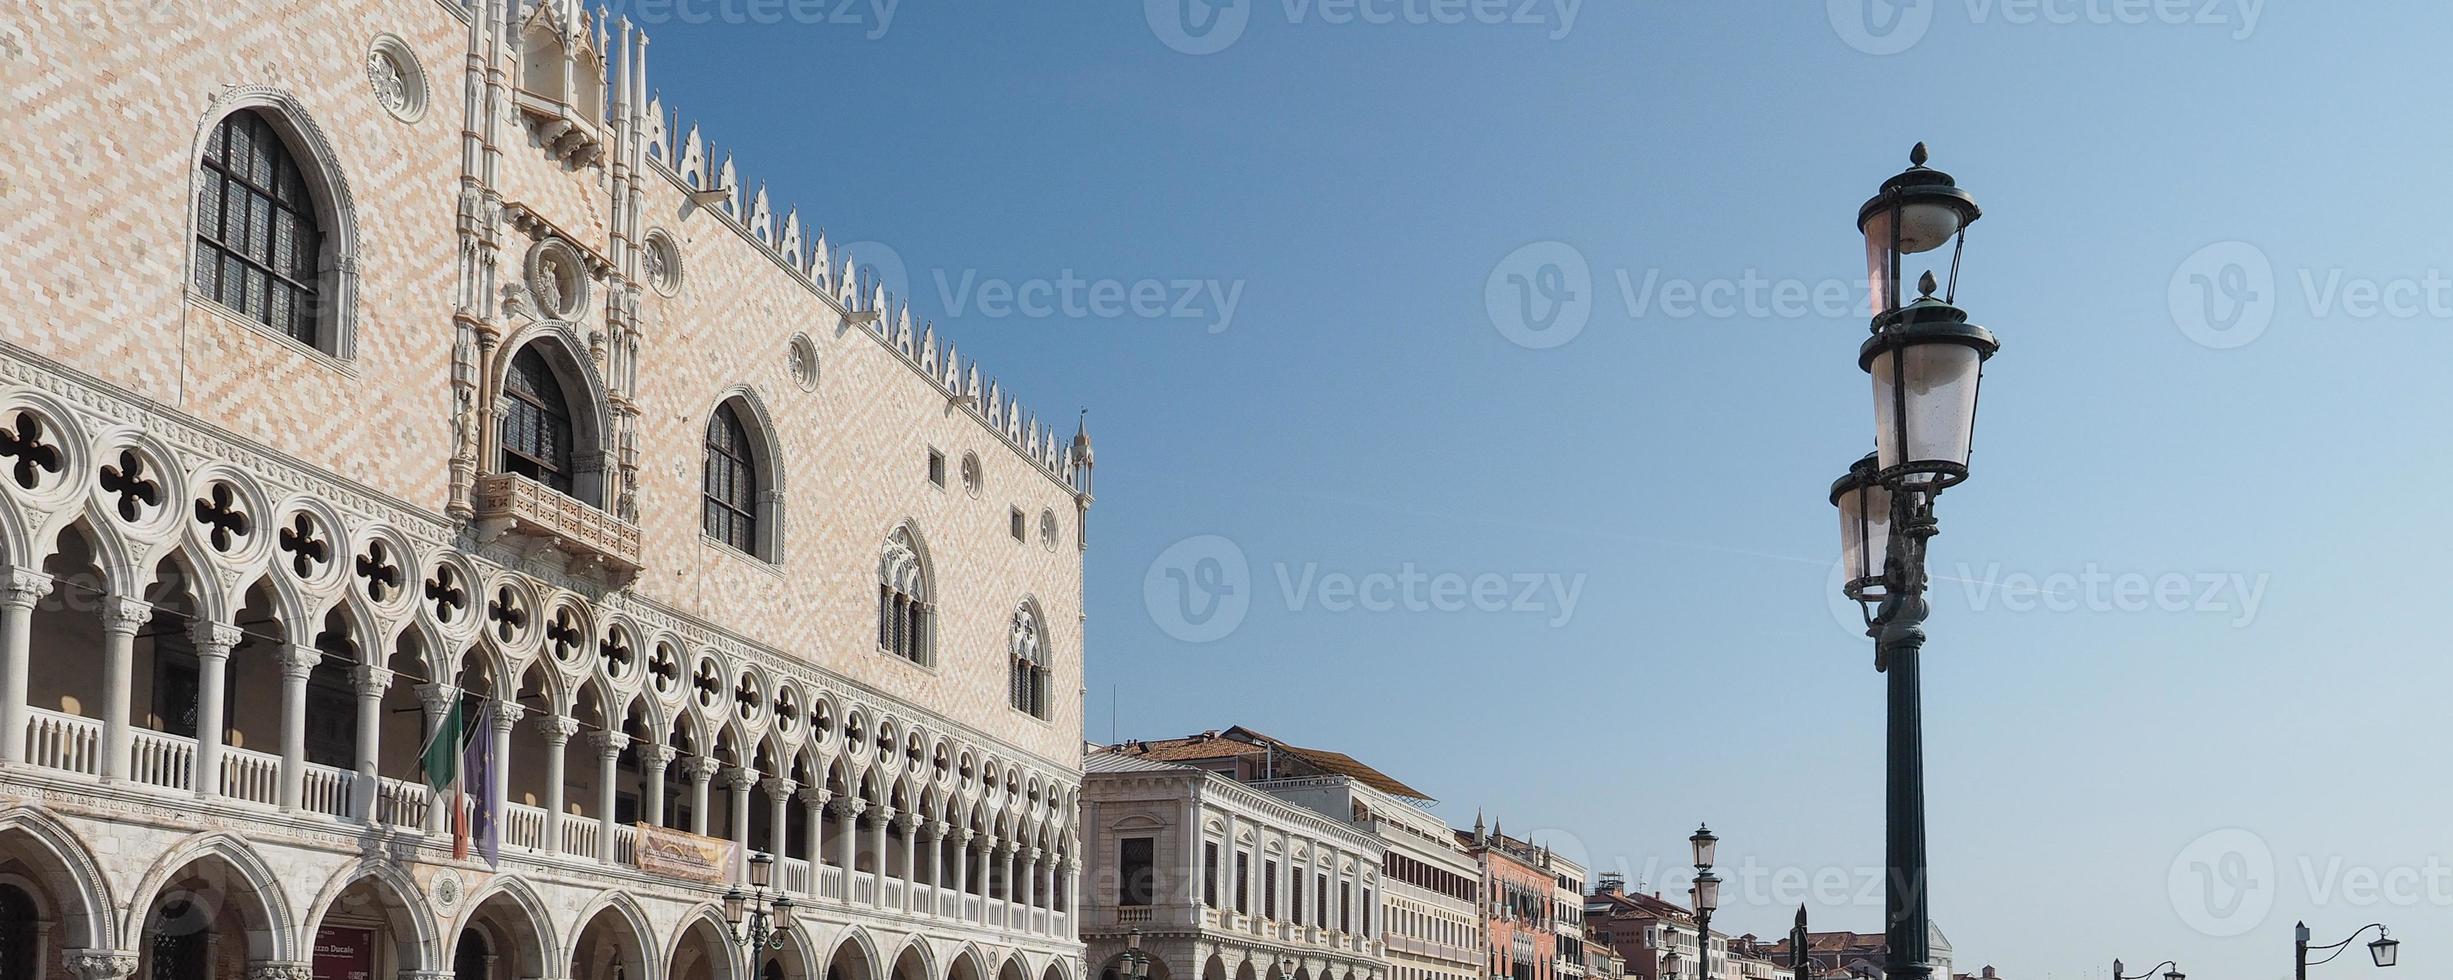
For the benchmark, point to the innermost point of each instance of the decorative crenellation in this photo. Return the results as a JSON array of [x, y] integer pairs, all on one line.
[[838, 277]]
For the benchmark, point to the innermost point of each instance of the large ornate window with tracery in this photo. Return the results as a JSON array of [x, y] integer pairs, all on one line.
[[732, 483], [259, 241], [537, 431], [905, 617], [1026, 655]]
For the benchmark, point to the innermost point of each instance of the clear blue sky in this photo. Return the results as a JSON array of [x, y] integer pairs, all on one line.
[[1360, 183]]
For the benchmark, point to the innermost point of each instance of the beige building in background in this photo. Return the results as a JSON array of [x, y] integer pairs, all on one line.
[[368, 358]]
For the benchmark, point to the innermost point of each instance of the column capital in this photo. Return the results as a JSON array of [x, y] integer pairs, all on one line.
[[937, 829], [99, 964], [740, 780], [371, 680], [121, 614], [507, 715], [298, 661], [815, 798], [1002, 846], [288, 970], [214, 640], [849, 807], [885, 813], [557, 729], [437, 697], [609, 744], [779, 787], [1032, 854], [21, 588], [907, 822], [656, 756], [702, 768]]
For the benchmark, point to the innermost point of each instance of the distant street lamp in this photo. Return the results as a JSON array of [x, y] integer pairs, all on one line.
[[1135, 963], [1707, 897], [768, 919], [1926, 361], [2171, 974], [2386, 950]]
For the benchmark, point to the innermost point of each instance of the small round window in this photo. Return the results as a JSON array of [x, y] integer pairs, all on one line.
[[663, 263], [1047, 529], [972, 480]]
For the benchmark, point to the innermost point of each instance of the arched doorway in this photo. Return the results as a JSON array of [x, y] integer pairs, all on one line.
[[20, 934], [610, 944], [704, 952], [179, 940], [475, 960]]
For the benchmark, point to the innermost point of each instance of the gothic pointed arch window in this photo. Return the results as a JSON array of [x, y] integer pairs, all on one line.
[[262, 241], [1026, 653], [537, 429], [740, 494], [906, 624]]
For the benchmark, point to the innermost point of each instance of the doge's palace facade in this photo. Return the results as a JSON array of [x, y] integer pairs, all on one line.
[[372, 362]]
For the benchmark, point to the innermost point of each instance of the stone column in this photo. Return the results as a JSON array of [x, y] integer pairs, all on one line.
[[213, 642], [437, 699], [121, 618], [701, 770], [1046, 863], [498, 793], [297, 664], [910, 823], [962, 867], [99, 964], [885, 814], [1195, 857], [779, 824], [815, 832], [654, 759], [740, 781], [557, 731], [1226, 866], [609, 746], [849, 810], [936, 866], [1072, 870], [366, 787], [1028, 859], [1005, 864], [20, 589]]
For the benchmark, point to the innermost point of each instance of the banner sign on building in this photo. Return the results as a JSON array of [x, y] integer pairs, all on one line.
[[681, 854], [344, 954]]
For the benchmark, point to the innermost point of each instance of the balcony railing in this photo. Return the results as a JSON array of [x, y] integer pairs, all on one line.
[[511, 502], [73, 744]]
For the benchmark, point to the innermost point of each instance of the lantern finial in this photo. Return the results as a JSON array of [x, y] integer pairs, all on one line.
[[1927, 285], [1919, 155]]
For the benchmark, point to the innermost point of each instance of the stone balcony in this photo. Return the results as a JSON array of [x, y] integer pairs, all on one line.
[[508, 503]]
